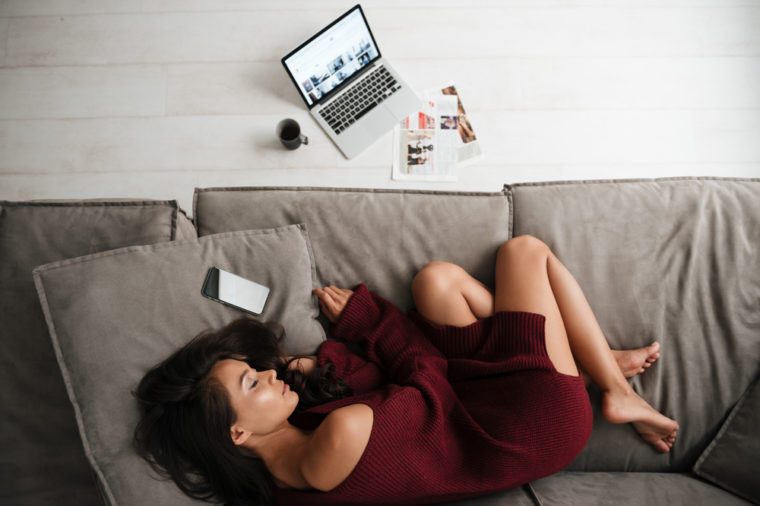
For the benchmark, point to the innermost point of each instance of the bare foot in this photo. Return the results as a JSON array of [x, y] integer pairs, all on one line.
[[633, 362], [654, 427]]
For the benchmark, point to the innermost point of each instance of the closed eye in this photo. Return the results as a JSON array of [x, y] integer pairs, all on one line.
[[254, 384]]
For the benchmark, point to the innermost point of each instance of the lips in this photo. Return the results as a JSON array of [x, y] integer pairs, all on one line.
[[285, 387]]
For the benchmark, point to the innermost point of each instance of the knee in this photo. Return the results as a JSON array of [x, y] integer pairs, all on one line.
[[524, 245], [435, 275]]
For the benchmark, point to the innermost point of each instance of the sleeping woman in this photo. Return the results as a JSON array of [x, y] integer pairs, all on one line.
[[468, 393]]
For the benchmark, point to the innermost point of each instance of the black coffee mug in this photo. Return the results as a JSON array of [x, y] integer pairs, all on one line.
[[289, 132]]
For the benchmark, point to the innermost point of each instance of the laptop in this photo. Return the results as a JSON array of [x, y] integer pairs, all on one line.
[[349, 88]]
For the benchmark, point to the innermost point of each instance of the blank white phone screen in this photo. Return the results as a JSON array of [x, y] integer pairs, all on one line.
[[242, 292]]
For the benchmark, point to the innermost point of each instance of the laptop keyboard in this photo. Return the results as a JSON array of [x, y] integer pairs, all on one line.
[[359, 99]]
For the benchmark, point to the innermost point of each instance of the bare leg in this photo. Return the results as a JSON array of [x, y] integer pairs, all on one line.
[[631, 362], [447, 294], [620, 404], [529, 277]]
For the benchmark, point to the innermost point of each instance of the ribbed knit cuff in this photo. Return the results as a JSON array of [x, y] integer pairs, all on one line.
[[346, 362], [528, 329], [326, 351], [512, 334], [360, 313]]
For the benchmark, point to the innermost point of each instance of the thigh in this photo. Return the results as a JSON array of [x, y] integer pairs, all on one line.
[[522, 284], [437, 294]]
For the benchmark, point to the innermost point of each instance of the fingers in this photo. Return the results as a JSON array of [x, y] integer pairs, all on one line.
[[336, 293], [325, 298], [332, 299], [329, 313]]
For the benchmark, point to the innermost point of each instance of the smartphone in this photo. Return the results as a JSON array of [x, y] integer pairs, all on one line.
[[235, 291]]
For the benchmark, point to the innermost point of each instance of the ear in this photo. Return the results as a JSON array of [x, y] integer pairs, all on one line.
[[238, 435]]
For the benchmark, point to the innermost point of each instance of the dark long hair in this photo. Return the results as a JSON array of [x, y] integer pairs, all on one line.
[[185, 413]]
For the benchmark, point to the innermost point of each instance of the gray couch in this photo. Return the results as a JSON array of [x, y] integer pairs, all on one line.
[[673, 259]]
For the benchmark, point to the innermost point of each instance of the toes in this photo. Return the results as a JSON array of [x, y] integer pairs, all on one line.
[[661, 446]]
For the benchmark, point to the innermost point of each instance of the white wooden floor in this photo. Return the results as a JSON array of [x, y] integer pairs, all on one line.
[[150, 98]]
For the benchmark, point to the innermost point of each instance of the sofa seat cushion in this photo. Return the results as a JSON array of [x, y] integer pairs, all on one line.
[[631, 489], [113, 315], [42, 459], [379, 236], [673, 260]]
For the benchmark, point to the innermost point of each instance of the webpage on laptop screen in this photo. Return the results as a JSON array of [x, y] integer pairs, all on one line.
[[332, 57]]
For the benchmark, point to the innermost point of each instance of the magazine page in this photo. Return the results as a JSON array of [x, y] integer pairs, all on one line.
[[423, 146], [469, 147], [431, 143]]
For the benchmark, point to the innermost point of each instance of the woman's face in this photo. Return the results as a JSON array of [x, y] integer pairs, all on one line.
[[257, 398]]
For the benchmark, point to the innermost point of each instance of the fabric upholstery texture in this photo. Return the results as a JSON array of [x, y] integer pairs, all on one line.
[[732, 460], [115, 314], [671, 259], [42, 460], [517, 496], [381, 237], [630, 489], [185, 227]]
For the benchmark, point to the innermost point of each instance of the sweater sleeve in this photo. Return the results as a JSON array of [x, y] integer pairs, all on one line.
[[358, 373], [392, 340]]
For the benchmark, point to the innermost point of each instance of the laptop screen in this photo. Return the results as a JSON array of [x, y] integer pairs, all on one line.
[[333, 55]]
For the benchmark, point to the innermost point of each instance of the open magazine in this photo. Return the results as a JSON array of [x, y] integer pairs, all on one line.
[[430, 144]]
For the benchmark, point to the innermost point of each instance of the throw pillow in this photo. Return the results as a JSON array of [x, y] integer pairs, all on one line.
[[732, 459], [42, 459], [115, 314]]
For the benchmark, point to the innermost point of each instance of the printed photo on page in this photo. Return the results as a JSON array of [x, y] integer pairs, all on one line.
[[469, 149], [428, 145]]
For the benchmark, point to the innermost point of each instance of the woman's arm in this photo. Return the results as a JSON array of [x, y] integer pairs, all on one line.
[[392, 340], [359, 373]]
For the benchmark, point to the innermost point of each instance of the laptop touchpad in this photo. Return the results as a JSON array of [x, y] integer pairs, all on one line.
[[378, 121]]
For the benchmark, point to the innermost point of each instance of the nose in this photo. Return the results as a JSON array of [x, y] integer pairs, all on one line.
[[273, 379]]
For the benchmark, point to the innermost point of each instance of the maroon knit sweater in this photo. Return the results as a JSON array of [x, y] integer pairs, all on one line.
[[458, 411]]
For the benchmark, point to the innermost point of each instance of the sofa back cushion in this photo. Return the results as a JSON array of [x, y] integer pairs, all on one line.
[[673, 260], [382, 237], [42, 460], [115, 314]]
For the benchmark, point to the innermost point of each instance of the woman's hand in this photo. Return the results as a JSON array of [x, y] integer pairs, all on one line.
[[332, 300]]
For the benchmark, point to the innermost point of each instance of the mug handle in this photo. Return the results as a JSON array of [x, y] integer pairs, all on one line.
[[304, 139]]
